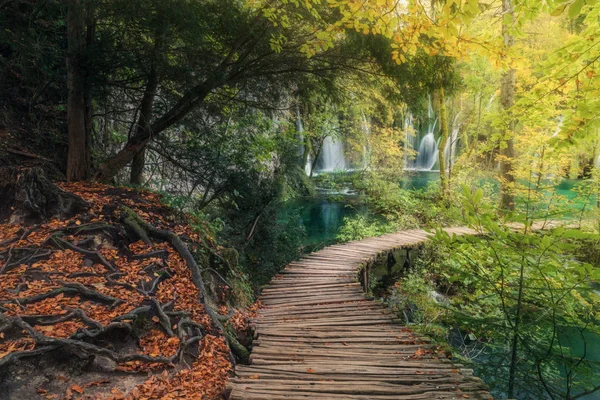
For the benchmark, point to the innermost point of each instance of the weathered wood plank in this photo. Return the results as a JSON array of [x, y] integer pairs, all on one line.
[[319, 337]]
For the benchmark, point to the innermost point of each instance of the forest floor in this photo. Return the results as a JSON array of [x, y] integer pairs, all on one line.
[[88, 311]]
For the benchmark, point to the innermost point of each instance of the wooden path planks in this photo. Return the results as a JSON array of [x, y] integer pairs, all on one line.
[[319, 337]]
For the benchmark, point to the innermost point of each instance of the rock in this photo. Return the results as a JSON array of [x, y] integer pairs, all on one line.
[[104, 364]]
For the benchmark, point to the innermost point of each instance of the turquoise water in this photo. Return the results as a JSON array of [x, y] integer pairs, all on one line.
[[583, 343], [323, 215]]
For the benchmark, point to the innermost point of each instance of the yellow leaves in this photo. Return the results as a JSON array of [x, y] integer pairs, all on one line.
[[398, 57]]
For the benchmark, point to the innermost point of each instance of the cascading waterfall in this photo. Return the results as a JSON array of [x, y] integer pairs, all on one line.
[[450, 150], [332, 155], [492, 98], [299, 124], [410, 141], [428, 148], [428, 153], [366, 129]]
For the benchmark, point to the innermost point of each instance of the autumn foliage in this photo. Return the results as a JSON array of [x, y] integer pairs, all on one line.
[[88, 288]]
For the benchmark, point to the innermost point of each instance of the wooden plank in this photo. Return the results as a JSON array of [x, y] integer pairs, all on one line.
[[319, 337]]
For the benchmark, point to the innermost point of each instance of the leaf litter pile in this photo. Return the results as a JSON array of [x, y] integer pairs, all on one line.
[[109, 304]]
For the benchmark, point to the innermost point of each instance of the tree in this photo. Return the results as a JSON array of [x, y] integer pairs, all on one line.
[[507, 99], [78, 166], [444, 136], [522, 294], [146, 110], [231, 50]]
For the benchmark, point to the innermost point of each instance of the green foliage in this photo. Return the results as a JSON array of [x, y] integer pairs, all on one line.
[[412, 298], [406, 209], [520, 290], [273, 246], [362, 226]]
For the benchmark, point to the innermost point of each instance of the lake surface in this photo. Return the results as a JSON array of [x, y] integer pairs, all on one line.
[[323, 215]]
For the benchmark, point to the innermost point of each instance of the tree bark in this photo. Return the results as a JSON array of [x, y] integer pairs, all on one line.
[[507, 99], [443, 142], [136, 176], [78, 153]]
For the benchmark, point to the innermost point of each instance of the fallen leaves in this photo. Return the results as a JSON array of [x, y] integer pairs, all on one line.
[[76, 389], [208, 359]]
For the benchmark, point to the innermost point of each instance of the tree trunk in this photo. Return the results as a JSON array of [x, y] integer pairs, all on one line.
[[317, 153], [138, 141], [136, 176], [507, 99], [443, 142], [78, 154], [145, 119], [512, 372], [143, 125], [90, 34], [30, 197]]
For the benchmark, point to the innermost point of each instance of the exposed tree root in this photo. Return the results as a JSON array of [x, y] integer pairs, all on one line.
[[55, 319], [178, 244], [67, 288], [131, 304], [33, 255], [152, 254], [134, 226], [50, 343], [93, 255]]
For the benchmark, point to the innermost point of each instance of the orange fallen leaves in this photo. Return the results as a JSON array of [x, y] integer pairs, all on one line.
[[208, 372]]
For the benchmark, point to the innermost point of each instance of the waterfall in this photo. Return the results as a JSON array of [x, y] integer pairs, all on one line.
[[299, 125], [428, 147], [489, 104], [428, 153], [366, 129], [450, 150], [308, 165], [410, 141], [332, 155]]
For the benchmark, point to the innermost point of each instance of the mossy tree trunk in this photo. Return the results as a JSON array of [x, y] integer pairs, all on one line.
[[443, 142], [507, 99]]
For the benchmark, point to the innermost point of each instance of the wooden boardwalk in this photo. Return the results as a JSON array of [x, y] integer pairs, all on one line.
[[319, 337]]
